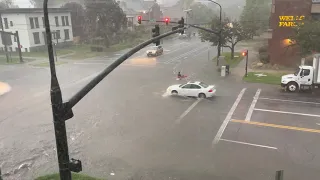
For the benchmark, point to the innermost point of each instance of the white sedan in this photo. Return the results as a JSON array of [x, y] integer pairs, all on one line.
[[194, 89]]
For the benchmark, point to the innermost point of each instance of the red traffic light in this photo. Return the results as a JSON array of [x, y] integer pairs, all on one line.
[[244, 53], [139, 19], [167, 20]]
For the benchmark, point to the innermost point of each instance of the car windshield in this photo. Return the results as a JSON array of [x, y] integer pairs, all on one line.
[[203, 85], [154, 48], [297, 72], [181, 85]]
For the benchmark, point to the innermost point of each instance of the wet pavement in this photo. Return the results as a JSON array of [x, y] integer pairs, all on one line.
[[129, 127]]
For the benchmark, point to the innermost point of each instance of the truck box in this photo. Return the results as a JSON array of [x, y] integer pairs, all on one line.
[[316, 68]]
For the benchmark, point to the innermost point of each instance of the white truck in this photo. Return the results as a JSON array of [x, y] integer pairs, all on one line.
[[305, 77]]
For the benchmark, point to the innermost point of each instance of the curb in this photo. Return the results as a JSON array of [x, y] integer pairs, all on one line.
[[4, 88]]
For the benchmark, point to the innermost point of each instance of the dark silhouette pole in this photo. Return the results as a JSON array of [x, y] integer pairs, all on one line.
[[220, 32]]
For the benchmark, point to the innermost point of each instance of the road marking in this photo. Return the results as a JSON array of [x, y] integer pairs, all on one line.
[[228, 117], [253, 104], [184, 54], [250, 144], [286, 112], [178, 121], [284, 100], [277, 126]]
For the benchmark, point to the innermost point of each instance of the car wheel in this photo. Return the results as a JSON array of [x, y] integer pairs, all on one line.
[[292, 87], [174, 92], [201, 95]]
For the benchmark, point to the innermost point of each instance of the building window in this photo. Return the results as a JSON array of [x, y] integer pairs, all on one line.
[[31, 23], [6, 23], [63, 22], [10, 48], [36, 38], [58, 34], [14, 38], [36, 22], [66, 34], [67, 20], [57, 21], [11, 23], [25, 49]]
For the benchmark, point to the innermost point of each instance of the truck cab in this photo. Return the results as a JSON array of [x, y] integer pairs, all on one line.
[[305, 77]]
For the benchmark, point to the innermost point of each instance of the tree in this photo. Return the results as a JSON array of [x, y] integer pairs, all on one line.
[[52, 3], [232, 33], [7, 4], [255, 16], [201, 13], [104, 19], [77, 17], [307, 37]]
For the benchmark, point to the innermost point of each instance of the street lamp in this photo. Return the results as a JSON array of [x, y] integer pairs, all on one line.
[[220, 32]]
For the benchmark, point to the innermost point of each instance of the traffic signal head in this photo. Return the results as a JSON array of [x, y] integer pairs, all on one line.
[[139, 19], [181, 24], [244, 53], [155, 33], [166, 21]]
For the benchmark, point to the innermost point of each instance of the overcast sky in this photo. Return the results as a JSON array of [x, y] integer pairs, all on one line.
[[22, 3]]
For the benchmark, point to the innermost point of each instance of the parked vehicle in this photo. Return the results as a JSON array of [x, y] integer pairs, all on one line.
[[305, 77], [155, 51]]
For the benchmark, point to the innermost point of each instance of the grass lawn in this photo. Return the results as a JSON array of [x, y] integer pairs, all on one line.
[[46, 64], [43, 53], [74, 177], [84, 51], [15, 60], [232, 62], [270, 78]]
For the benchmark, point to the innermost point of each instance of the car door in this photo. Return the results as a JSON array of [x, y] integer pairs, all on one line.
[[186, 90], [196, 89], [305, 77]]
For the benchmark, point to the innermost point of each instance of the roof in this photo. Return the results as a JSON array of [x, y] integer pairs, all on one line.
[[34, 10]]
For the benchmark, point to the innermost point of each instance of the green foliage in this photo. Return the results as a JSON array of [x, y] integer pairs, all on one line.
[[201, 13], [77, 17], [264, 57], [104, 18], [255, 16], [307, 37], [230, 36]]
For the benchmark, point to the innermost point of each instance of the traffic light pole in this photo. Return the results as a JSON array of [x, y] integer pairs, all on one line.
[[247, 55]]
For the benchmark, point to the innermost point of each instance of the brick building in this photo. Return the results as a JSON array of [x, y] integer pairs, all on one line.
[[284, 14]]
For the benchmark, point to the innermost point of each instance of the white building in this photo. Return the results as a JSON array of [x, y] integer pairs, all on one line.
[[29, 22]]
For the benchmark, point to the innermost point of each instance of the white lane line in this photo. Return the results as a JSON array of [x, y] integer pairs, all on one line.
[[253, 104], [286, 112], [178, 121], [250, 144], [228, 117], [284, 100], [184, 54]]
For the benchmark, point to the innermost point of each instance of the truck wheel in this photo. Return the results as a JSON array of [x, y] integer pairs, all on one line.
[[292, 87]]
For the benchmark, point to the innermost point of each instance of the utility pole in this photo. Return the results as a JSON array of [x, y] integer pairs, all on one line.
[[246, 53], [5, 46], [19, 46]]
